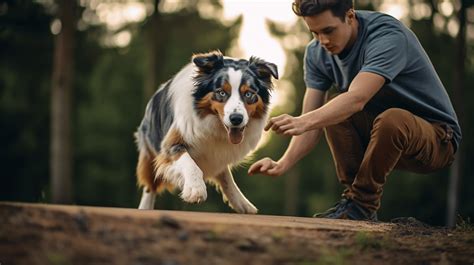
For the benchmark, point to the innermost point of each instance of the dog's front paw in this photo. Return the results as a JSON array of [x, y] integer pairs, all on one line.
[[194, 192]]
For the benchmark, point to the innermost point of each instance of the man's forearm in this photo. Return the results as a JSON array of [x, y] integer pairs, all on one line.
[[299, 147], [335, 111], [364, 86]]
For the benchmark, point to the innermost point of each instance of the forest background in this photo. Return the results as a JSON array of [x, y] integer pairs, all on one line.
[[75, 78]]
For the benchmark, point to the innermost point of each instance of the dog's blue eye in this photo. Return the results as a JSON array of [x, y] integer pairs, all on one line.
[[222, 93], [248, 94]]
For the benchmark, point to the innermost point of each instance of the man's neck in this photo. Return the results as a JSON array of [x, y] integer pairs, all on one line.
[[352, 40]]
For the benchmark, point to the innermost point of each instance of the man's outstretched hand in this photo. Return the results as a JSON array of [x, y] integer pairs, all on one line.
[[287, 125], [267, 166]]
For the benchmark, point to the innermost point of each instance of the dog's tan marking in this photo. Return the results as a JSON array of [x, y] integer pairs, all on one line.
[[145, 174], [218, 108], [255, 110], [227, 87], [204, 105], [166, 157], [208, 106]]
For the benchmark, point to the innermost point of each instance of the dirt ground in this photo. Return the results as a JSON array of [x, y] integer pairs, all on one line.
[[52, 234]]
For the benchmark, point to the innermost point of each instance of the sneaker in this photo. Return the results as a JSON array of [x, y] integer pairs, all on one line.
[[348, 209], [331, 210]]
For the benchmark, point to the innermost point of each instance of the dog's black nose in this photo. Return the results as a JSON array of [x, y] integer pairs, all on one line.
[[236, 119]]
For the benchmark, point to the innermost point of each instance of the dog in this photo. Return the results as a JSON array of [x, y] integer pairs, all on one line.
[[199, 123]]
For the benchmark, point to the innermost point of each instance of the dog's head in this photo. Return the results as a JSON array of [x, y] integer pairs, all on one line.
[[234, 90]]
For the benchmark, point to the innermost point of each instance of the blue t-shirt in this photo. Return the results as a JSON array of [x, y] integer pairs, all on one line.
[[386, 47]]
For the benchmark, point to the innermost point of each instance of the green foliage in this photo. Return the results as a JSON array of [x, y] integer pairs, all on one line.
[[25, 71], [464, 224]]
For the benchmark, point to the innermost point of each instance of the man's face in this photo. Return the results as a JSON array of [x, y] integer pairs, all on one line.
[[333, 33]]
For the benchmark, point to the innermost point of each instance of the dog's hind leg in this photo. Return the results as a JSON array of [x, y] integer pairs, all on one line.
[[232, 194], [147, 201], [145, 178]]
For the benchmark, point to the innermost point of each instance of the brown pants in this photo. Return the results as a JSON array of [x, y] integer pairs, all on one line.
[[366, 148]]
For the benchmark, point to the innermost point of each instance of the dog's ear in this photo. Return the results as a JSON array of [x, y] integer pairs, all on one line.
[[207, 62], [262, 68]]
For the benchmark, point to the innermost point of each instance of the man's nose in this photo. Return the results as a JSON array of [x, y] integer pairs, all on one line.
[[323, 39]]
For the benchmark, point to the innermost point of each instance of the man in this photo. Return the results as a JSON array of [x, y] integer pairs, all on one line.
[[392, 110]]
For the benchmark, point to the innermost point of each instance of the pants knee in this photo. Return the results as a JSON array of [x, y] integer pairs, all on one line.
[[393, 123]]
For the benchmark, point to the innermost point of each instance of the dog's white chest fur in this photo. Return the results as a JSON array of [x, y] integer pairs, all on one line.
[[214, 153]]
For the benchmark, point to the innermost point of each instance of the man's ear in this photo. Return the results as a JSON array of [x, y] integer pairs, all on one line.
[[207, 62], [350, 16], [262, 68]]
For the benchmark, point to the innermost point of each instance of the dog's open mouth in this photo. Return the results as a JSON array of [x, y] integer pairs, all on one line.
[[235, 134]]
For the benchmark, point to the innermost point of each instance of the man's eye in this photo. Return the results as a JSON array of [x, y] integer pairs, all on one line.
[[329, 31], [248, 94]]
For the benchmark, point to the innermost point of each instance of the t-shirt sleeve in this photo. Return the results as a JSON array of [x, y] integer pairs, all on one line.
[[313, 76], [386, 54]]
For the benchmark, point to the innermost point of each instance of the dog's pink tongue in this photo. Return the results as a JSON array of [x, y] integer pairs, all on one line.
[[236, 135]]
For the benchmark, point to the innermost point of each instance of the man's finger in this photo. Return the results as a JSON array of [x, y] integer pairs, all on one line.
[[269, 125], [279, 131], [275, 127], [254, 167], [286, 127]]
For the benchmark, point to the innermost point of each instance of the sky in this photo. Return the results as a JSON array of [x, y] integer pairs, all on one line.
[[254, 36]]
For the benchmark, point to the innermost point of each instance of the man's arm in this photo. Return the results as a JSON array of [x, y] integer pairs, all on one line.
[[364, 86], [299, 146]]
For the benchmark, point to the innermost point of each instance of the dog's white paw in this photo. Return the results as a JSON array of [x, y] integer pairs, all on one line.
[[243, 206], [194, 192]]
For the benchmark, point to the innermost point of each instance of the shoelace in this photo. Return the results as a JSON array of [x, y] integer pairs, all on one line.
[[342, 205], [342, 202]]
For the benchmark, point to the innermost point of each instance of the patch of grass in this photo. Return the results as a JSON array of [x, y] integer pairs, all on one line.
[[211, 235], [368, 241], [338, 257], [464, 224], [278, 236], [55, 258], [331, 257]]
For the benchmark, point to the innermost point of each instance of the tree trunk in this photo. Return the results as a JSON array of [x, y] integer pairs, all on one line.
[[458, 86], [152, 44], [62, 82]]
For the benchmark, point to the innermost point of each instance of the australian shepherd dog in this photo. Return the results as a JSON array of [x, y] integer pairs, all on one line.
[[198, 124]]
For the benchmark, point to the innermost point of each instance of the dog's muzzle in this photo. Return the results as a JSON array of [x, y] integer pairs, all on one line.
[[235, 130], [236, 119]]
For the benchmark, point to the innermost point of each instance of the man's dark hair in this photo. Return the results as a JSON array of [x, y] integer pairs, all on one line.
[[306, 8]]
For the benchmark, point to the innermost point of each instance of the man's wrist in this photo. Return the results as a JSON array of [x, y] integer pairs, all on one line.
[[284, 163], [309, 120]]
